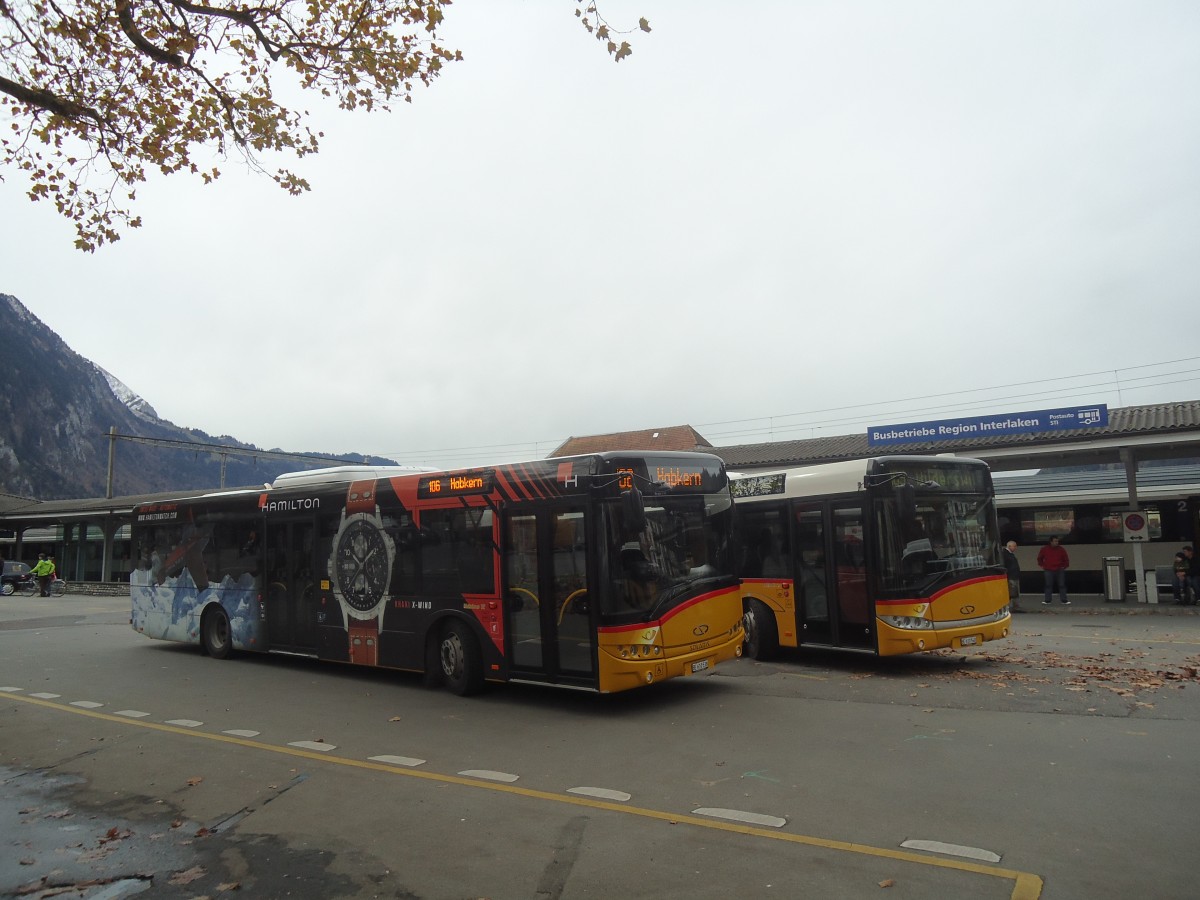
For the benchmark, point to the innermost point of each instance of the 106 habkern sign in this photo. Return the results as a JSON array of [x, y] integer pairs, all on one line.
[[990, 426]]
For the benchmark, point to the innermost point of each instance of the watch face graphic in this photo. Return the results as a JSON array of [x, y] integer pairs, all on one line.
[[362, 565]]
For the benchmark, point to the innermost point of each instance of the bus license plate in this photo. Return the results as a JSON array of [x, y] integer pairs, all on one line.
[[700, 666], [970, 641]]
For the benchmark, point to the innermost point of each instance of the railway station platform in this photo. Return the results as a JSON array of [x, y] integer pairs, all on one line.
[[1094, 604]]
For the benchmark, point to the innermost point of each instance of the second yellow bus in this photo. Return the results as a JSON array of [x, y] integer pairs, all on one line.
[[889, 555]]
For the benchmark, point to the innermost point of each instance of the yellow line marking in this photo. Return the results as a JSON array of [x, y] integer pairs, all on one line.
[[1026, 885]]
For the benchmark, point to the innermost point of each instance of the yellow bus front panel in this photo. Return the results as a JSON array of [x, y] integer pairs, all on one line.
[[962, 616], [690, 639]]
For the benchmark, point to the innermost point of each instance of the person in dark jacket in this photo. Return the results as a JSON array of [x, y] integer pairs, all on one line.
[[1192, 594], [1012, 567], [1054, 561], [1181, 588]]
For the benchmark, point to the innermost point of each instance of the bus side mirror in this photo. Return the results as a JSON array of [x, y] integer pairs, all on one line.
[[633, 511]]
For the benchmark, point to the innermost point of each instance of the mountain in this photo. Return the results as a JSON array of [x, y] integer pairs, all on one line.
[[56, 409]]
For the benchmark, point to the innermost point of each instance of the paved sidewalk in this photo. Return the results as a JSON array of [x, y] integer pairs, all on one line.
[[1094, 603]]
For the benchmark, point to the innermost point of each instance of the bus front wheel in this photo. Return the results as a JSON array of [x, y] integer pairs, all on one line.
[[460, 660], [762, 635], [215, 634]]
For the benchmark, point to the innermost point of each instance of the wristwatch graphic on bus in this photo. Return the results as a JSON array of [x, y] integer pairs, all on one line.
[[361, 569]]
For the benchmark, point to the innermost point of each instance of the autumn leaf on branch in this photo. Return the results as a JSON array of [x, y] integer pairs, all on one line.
[[102, 92], [594, 22]]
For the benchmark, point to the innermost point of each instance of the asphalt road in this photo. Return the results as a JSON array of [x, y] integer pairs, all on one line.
[[1058, 764]]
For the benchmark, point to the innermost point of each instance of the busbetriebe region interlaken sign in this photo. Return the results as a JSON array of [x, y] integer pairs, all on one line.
[[1039, 422]]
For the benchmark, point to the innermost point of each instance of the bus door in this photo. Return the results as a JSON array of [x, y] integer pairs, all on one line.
[[811, 580], [548, 612], [289, 585], [855, 613]]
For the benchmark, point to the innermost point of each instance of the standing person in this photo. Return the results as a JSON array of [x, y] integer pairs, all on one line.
[[1054, 561], [1193, 576], [42, 572], [1181, 586], [1013, 567]]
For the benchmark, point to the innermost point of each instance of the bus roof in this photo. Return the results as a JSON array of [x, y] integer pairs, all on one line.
[[802, 481], [336, 474], [839, 477]]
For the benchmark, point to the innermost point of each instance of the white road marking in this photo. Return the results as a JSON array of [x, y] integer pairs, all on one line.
[[490, 776], [11, 690], [738, 815], [86, 704], [313, 745], [241, 732], [953, 850], [46, 696], [185, 723], [398, 760], [601, 793], [132, 713]]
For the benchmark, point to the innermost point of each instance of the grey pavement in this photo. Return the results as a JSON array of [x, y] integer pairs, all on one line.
[[1095, 603]]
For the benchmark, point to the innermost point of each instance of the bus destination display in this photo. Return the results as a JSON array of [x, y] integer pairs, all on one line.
[[455, 484]]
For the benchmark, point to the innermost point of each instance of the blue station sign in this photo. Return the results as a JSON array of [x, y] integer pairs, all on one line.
[[1044, 420]]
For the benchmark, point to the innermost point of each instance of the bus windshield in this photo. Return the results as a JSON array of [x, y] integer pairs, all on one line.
[[929, 538], [684, 543]]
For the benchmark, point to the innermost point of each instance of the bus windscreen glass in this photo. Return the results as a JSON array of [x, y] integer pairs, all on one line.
[[932, 534], [685, 541]]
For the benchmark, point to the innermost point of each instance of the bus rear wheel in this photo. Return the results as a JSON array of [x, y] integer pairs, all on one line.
[[762, 635], [460, 661], [215, 635]]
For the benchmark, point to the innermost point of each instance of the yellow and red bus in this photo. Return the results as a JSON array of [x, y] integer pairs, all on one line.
[[601, 572], [891, 555]]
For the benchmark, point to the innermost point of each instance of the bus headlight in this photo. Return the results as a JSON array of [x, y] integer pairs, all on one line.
[[633, 651], [909, 623]]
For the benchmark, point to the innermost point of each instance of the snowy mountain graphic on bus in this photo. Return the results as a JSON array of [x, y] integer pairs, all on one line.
[[171, 610]]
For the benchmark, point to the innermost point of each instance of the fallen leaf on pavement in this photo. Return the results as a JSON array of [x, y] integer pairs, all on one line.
[[188, 875]]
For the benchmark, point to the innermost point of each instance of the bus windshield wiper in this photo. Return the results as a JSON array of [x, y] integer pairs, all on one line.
[[669, 595], [665, 599]]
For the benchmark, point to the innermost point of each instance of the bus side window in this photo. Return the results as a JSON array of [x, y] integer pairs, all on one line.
[[451, 553], [763, 535]]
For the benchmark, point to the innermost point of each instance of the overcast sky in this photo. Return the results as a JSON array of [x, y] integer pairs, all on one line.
[[773, 221]]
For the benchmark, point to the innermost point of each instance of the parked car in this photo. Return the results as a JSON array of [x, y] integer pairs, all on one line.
[[16, 577]]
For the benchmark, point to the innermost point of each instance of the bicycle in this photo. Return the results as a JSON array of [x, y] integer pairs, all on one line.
[[26, 588], [31, 588]]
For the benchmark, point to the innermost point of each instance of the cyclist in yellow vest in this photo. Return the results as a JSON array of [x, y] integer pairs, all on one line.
[[42, 572]]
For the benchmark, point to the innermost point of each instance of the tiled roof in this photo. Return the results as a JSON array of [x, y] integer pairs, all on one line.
[[1162, 419], [675, 437]]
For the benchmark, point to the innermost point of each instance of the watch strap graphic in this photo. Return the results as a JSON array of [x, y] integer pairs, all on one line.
[[362, 634], [364, 641], [360, 497]]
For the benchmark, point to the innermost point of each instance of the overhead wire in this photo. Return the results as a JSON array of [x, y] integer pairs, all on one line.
[[774, 426]]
